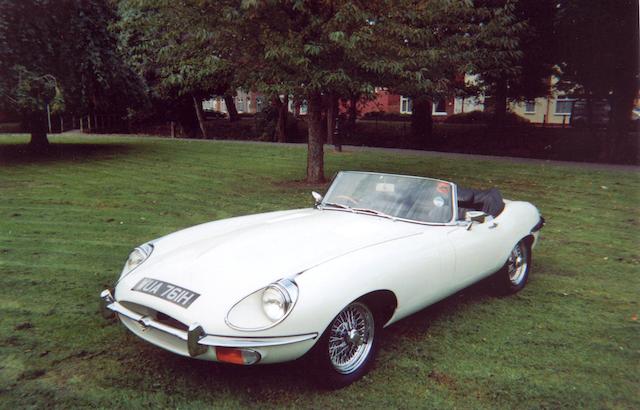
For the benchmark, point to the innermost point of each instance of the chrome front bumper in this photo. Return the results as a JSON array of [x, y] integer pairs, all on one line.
[[198, 342]]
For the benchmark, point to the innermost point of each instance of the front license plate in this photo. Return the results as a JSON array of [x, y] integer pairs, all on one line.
[[167, 291]]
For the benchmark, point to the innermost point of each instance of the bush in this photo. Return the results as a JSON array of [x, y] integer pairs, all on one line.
[[485, 117], [214, 115], [266, 122], [11, 127], [386, 116]]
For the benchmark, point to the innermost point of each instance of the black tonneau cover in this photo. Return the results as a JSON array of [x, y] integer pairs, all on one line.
[[489, 201]]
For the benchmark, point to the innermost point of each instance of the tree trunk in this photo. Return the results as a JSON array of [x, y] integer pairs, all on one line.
[[353, 109], [332, 112], [421, 122], [231, 108], [197, 103], [500, 103], [589, 112], [281, 125], [315, 153], [619, 147], [37, 126]]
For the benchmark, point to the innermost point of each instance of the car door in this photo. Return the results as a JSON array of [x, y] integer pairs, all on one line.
[[478, 250]]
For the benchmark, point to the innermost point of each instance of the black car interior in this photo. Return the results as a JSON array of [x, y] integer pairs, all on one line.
[[489, 201]]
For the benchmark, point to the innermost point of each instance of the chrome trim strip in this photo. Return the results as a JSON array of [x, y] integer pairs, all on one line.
[[228, 341], [539, 225], [202, 339]]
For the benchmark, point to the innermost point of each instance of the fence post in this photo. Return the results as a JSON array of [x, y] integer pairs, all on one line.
[[49, 118]]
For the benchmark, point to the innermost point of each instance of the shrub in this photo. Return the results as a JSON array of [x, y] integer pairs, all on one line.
[[484, 117], [266, 122], [386, 116], [214, 115]]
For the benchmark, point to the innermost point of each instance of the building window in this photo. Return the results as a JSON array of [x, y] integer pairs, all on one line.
[[303, 107], [406, 105], [530, 107], [439, 107], [239, 104], [564, 106], [259, 103]]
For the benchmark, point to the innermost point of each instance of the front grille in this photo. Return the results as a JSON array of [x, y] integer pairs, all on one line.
[[157, 316], [169, 321]]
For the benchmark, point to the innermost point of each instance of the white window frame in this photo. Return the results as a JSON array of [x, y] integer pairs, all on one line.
[[435, 105], [526, 107], [405, 105], [563, 99], [240, 105]]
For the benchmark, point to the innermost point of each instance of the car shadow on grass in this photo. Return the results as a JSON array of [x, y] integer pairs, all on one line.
[[23, 154], [284, 381]]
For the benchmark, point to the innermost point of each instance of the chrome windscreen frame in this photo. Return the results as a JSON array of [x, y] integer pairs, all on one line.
[[454, 199]]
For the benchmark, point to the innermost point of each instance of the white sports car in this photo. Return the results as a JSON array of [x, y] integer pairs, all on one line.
[[272, 287]]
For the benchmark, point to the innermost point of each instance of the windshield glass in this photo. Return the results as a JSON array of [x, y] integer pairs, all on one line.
[[397, 196]]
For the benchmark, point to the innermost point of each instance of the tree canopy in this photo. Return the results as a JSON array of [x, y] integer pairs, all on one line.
[[180, 51], [62, 54], [598, 59]]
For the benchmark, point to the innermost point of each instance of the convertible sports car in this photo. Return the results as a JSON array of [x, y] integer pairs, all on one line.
[[272, 287]]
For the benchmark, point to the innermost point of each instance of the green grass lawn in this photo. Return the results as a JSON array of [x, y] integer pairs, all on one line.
[[68, 220]]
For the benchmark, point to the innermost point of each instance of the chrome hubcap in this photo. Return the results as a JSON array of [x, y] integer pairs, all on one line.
[[517, 264], [351, 338]]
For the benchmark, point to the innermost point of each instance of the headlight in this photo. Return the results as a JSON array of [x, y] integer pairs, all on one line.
[[264, 308], [136, 258], [275, 302]]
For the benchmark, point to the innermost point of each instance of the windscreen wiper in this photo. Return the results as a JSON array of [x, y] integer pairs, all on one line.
[[373, 212], [336, 205]]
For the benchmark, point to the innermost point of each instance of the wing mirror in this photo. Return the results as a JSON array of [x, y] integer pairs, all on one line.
[[474, 216], [317, 197]]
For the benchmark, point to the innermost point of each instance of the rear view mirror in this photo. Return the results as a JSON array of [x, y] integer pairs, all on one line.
[[317, 197], [474, 216]]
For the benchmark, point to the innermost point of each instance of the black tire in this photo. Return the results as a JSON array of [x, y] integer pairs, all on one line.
[[513, 276], [347, 349]]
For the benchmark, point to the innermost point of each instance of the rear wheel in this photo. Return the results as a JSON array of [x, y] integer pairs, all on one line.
[[514, 275], [348, 347]]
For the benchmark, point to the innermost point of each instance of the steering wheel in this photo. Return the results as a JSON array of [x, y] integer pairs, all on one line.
[[349, 199]]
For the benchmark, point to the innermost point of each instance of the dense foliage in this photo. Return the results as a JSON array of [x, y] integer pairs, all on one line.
[[67, 56], [61, 53], [598, 57]]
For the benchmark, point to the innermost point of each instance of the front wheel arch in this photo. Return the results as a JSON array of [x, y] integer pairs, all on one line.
[[383, 303]]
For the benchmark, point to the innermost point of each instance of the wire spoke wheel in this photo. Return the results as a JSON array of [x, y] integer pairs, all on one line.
[[517, 263], [351, 338]]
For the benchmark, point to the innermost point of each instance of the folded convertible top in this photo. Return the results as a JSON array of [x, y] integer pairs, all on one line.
[[489, 201]]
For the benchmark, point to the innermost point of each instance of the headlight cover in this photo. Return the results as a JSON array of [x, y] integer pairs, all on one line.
[[136, 258], [265, 307]]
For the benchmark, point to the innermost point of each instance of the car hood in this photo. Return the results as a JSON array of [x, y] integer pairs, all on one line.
[[233, 257]]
